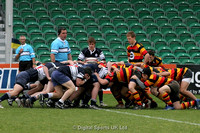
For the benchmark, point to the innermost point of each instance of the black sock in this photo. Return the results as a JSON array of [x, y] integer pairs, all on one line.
[[93, 102], [4, 97], [33, 99], [46, 95], [100, 96], [27, 95]]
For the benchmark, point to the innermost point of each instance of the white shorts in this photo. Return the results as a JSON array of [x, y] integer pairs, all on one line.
[[187, 80]]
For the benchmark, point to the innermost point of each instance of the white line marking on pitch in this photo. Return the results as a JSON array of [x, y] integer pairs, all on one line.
[[151, 117]]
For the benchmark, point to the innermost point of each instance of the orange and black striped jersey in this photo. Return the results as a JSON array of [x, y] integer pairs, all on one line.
[[123, 75], [177, 73], [126, 65], [136, 52], [157, 81], [157, 62]]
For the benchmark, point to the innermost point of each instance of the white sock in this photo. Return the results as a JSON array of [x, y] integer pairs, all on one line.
[[50, 95], [61, 101]]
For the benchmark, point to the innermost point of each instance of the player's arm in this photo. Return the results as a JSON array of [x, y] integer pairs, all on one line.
[[146, 58], [101, 81], [52, 58], [46, 71], [69, 57], [163, 74]]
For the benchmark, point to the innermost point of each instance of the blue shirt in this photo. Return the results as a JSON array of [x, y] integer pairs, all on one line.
[[60, 49], [27, 53]]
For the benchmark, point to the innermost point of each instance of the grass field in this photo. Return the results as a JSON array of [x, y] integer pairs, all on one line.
[[46, 120]]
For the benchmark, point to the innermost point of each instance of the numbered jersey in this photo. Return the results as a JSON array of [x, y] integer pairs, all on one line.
[[41, 74], [72, 72]]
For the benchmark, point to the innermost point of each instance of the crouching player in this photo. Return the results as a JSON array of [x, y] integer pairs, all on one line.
[[167, 90], [67, 77], [30, 75]]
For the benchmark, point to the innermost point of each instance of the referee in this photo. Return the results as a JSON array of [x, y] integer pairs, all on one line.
[[25, 54]]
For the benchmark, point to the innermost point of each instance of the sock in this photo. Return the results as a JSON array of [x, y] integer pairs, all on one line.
[[46, 95], [50, 95], [33, 99], [61, 101], [166, 99], [4, 97], [93, 102], [137, 98], [130, 96], [119, 99], [186, 105], [100, 96]]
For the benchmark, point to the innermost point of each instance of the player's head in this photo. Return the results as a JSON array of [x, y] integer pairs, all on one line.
[[131, 37], [151, 55], [22, 39], [91, 43], [88, 71], [146, 73], [62, 33]]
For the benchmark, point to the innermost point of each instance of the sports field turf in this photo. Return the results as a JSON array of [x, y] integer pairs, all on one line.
[[46, 120]]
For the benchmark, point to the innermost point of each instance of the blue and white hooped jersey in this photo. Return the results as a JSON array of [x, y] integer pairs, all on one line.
[[27, 53], [60, 49]]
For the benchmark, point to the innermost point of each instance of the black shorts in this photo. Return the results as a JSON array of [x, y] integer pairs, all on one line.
[[174, 95], [188, 74], [25, 65], [22, 79]]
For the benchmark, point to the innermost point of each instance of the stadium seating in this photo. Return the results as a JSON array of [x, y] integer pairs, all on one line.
[[145, 42], [178, 49], [169, 35], [174, 43], [77, 26], [124, 4], [153, 35], [158, 25], [70, 11], [88, 19], [84, 11], [167, 5], [160, 43], [128, 12], [113, 12], [183, 56], [151, 27], [115, 42], [96, 5], [29, 18], [99, 12], [168, 56], [153, 5], [166, 27], [118, 19], [191, 19], [121, 27], [189, 43], [156, 12], [147, 19], [107, 26], [186, 13], [59, 18], [132, 19], [175, 20]]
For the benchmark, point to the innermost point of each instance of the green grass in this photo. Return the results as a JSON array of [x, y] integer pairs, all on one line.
[[45, 120]]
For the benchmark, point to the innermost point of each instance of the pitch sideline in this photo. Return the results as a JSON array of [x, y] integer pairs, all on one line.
[[150, 117]]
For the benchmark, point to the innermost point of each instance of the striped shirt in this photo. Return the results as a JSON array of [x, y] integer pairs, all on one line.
[[157, 62], [60, 49], [136, 52], [177, 73], [27, 53], [157, 81]]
